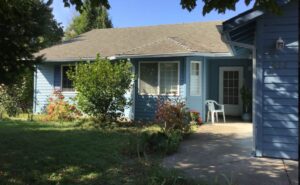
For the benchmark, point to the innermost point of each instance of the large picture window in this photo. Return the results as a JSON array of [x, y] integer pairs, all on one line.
[[66, 83], [159, 78], [195, 79]]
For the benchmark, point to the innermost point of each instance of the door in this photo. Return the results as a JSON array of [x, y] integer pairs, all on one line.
[[230, 83]]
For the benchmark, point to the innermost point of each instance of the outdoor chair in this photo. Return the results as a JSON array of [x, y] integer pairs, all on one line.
[[212, 111]]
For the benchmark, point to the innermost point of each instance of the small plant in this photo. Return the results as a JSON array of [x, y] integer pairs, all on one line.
[[59, 109], [246, 98], [195, 117], [173, 115]]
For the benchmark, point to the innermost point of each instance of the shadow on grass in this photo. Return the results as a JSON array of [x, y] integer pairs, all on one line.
[[35, 153]]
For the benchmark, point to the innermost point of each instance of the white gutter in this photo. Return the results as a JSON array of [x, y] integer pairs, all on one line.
[[144, 56]]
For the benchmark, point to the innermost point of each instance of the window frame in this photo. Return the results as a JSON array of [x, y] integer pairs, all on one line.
[[200, 77], [61, 78], [158, 78]]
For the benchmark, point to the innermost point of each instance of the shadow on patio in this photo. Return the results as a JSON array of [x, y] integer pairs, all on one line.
[[226, 149]]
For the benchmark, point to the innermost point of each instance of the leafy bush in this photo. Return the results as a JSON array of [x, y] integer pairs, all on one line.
[[156, 143], [173, 115], [8, 102], [59, 109], [101, 86]]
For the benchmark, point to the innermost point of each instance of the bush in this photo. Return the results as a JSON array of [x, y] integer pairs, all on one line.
[[195, 116], [59, 109], [101, 86], [8, 102], [173, 115], [156, 143]]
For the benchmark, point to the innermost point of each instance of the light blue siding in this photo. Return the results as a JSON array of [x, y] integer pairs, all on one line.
[[277, 84], [44, 81], [196, 102]]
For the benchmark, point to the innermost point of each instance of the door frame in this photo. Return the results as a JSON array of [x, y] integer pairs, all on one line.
[[241, 81]]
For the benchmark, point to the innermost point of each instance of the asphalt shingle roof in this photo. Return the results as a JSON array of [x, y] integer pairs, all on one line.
[[202, 37]]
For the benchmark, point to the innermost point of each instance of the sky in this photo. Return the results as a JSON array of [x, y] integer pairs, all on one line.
[[132, 13]]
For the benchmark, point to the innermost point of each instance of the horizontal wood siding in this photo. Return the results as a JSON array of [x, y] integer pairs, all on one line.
[[278, 86], [44, 81], [145, 106], [47, 78]]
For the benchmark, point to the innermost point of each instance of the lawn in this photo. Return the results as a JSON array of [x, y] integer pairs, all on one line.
[[53, 153]]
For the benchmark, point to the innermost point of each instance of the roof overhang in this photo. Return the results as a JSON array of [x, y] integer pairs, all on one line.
[[124, 56]]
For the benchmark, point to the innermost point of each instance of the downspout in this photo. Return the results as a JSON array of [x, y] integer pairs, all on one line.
[[226, 38], [34, 89]]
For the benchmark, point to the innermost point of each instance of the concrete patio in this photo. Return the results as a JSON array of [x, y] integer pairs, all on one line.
[[225, 149]]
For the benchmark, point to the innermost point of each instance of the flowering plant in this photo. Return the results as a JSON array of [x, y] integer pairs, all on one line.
[[172, 115], [60, 109], [195, 116]]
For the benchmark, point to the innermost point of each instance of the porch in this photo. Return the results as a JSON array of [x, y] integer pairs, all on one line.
[[217, 149]]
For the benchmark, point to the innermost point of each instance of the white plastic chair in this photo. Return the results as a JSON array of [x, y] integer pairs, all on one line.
[[212, 111]]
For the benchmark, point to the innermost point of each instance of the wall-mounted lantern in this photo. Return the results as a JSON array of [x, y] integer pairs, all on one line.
[[279, 44]]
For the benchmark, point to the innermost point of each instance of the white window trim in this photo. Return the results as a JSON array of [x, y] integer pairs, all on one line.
[[200, 77], [61, 80], [158, 84]]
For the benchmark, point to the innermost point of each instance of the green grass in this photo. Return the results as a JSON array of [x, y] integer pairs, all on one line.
[[35, 153]]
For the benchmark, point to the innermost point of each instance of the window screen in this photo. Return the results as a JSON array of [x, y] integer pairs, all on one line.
[[195, 79], [149, 78], [169, 78], [67, 84]]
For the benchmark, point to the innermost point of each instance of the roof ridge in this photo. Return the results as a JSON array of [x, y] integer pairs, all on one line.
[[179, 43], [158, 25], [144, 45]]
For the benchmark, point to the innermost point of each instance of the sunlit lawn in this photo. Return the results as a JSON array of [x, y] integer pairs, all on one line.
[[52, 153]]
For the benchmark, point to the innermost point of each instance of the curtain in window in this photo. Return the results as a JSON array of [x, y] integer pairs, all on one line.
[[148, 78], [169, 78]]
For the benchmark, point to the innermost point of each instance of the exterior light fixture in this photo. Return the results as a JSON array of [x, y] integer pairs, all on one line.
[[279, 44]]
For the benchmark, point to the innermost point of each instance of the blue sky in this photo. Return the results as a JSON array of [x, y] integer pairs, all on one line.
[[129, 13]]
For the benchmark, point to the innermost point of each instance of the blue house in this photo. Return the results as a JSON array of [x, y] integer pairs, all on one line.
[[196, 62]]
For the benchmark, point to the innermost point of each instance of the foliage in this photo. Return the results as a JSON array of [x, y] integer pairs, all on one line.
[[209, 5], [221, 6], [90, 18], [246, 97], [173, 115], [101, 86], [195, 116], [8, 103], [26, 27], [38, 153], [60, 109]]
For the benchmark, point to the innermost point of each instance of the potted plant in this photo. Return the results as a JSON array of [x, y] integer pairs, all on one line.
[[246, 99]]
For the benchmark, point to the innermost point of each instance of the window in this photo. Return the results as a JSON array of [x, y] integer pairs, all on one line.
[[148, 78], [66, 83], [159, 78], [195, 79]]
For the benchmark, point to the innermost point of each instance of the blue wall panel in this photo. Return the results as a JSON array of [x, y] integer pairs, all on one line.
[[277, 84], [214, 66]]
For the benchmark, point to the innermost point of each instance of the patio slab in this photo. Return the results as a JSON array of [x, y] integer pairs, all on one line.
[[224, 151]]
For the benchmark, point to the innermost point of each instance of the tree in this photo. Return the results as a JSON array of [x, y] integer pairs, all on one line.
[[26, 26], [90, 18], [219, 5], [101, 86]]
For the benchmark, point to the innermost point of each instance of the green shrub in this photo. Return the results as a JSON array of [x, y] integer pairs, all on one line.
[[101, 86], [173, 115], [8, 102], [155, 143]]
